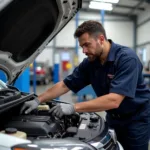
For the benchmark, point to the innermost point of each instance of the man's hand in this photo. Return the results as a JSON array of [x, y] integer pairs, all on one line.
[[62, 109], [30, 105]]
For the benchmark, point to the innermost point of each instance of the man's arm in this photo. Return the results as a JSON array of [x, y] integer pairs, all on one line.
[[53, 92], [57, 90], [109, 101], [106, 102]]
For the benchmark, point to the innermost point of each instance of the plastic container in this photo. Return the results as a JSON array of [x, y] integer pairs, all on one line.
[[14, 132], [43, 107]]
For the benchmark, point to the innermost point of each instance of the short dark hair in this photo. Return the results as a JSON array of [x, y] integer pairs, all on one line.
[[91, 27]]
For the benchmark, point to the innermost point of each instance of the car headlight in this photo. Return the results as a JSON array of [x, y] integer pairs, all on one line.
[[113, 135], [107, 142], [26, 147]]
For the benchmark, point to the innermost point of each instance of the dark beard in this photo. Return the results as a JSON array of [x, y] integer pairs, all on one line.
[[101, 53], [91, 59]]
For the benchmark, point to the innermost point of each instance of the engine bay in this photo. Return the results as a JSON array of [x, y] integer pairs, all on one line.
[[39, 124]]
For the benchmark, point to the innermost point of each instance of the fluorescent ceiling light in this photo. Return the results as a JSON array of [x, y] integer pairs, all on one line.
[[107, 1], [101, 6]]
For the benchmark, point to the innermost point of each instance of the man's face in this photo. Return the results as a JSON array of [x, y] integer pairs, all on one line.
[[91, 46]]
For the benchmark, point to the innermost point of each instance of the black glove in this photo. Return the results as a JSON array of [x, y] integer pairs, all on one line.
[[30, 105], [62, 109]]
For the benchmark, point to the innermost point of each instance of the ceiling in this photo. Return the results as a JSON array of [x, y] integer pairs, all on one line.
[[123, 7]]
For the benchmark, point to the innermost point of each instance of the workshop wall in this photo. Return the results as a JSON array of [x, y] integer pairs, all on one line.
[[65, 37], [119, 29], [143, 40], [46, 56], [144, 15], [143, 27]]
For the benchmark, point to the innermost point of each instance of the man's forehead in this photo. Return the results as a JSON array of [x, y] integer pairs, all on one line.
[[84, 38]]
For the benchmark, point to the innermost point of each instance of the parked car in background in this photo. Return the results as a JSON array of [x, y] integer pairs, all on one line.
[[42, 73]]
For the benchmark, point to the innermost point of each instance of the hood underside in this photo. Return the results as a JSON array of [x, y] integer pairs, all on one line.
[[26, 27]]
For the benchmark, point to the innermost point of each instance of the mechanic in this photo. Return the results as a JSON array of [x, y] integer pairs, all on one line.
[[115, 73]]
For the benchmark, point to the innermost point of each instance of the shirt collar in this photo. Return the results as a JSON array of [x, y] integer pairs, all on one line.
[[111, 55]]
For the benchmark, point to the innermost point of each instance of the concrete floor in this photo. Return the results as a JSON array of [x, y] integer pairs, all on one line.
[[68, 97]]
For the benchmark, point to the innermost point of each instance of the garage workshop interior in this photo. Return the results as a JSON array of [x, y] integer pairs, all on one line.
[[74, 74]]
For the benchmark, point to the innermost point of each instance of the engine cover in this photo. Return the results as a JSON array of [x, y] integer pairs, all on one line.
[[35, 126]]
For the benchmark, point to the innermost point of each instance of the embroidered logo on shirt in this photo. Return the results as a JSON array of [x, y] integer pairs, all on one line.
[[110, 76]]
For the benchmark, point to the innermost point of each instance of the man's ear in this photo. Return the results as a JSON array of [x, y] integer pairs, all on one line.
[[101, 38]]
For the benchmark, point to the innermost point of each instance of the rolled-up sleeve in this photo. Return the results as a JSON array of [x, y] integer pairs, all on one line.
[[126, 77], [79, 78]]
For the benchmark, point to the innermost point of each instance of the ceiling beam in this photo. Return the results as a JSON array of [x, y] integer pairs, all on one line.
[[121, 6], [107, 12], [129, 7], [136, 7]]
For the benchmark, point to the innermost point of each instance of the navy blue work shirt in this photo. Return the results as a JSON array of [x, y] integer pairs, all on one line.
[[121, 74]]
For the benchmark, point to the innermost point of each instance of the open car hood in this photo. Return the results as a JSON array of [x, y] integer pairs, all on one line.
[[26, 27]]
